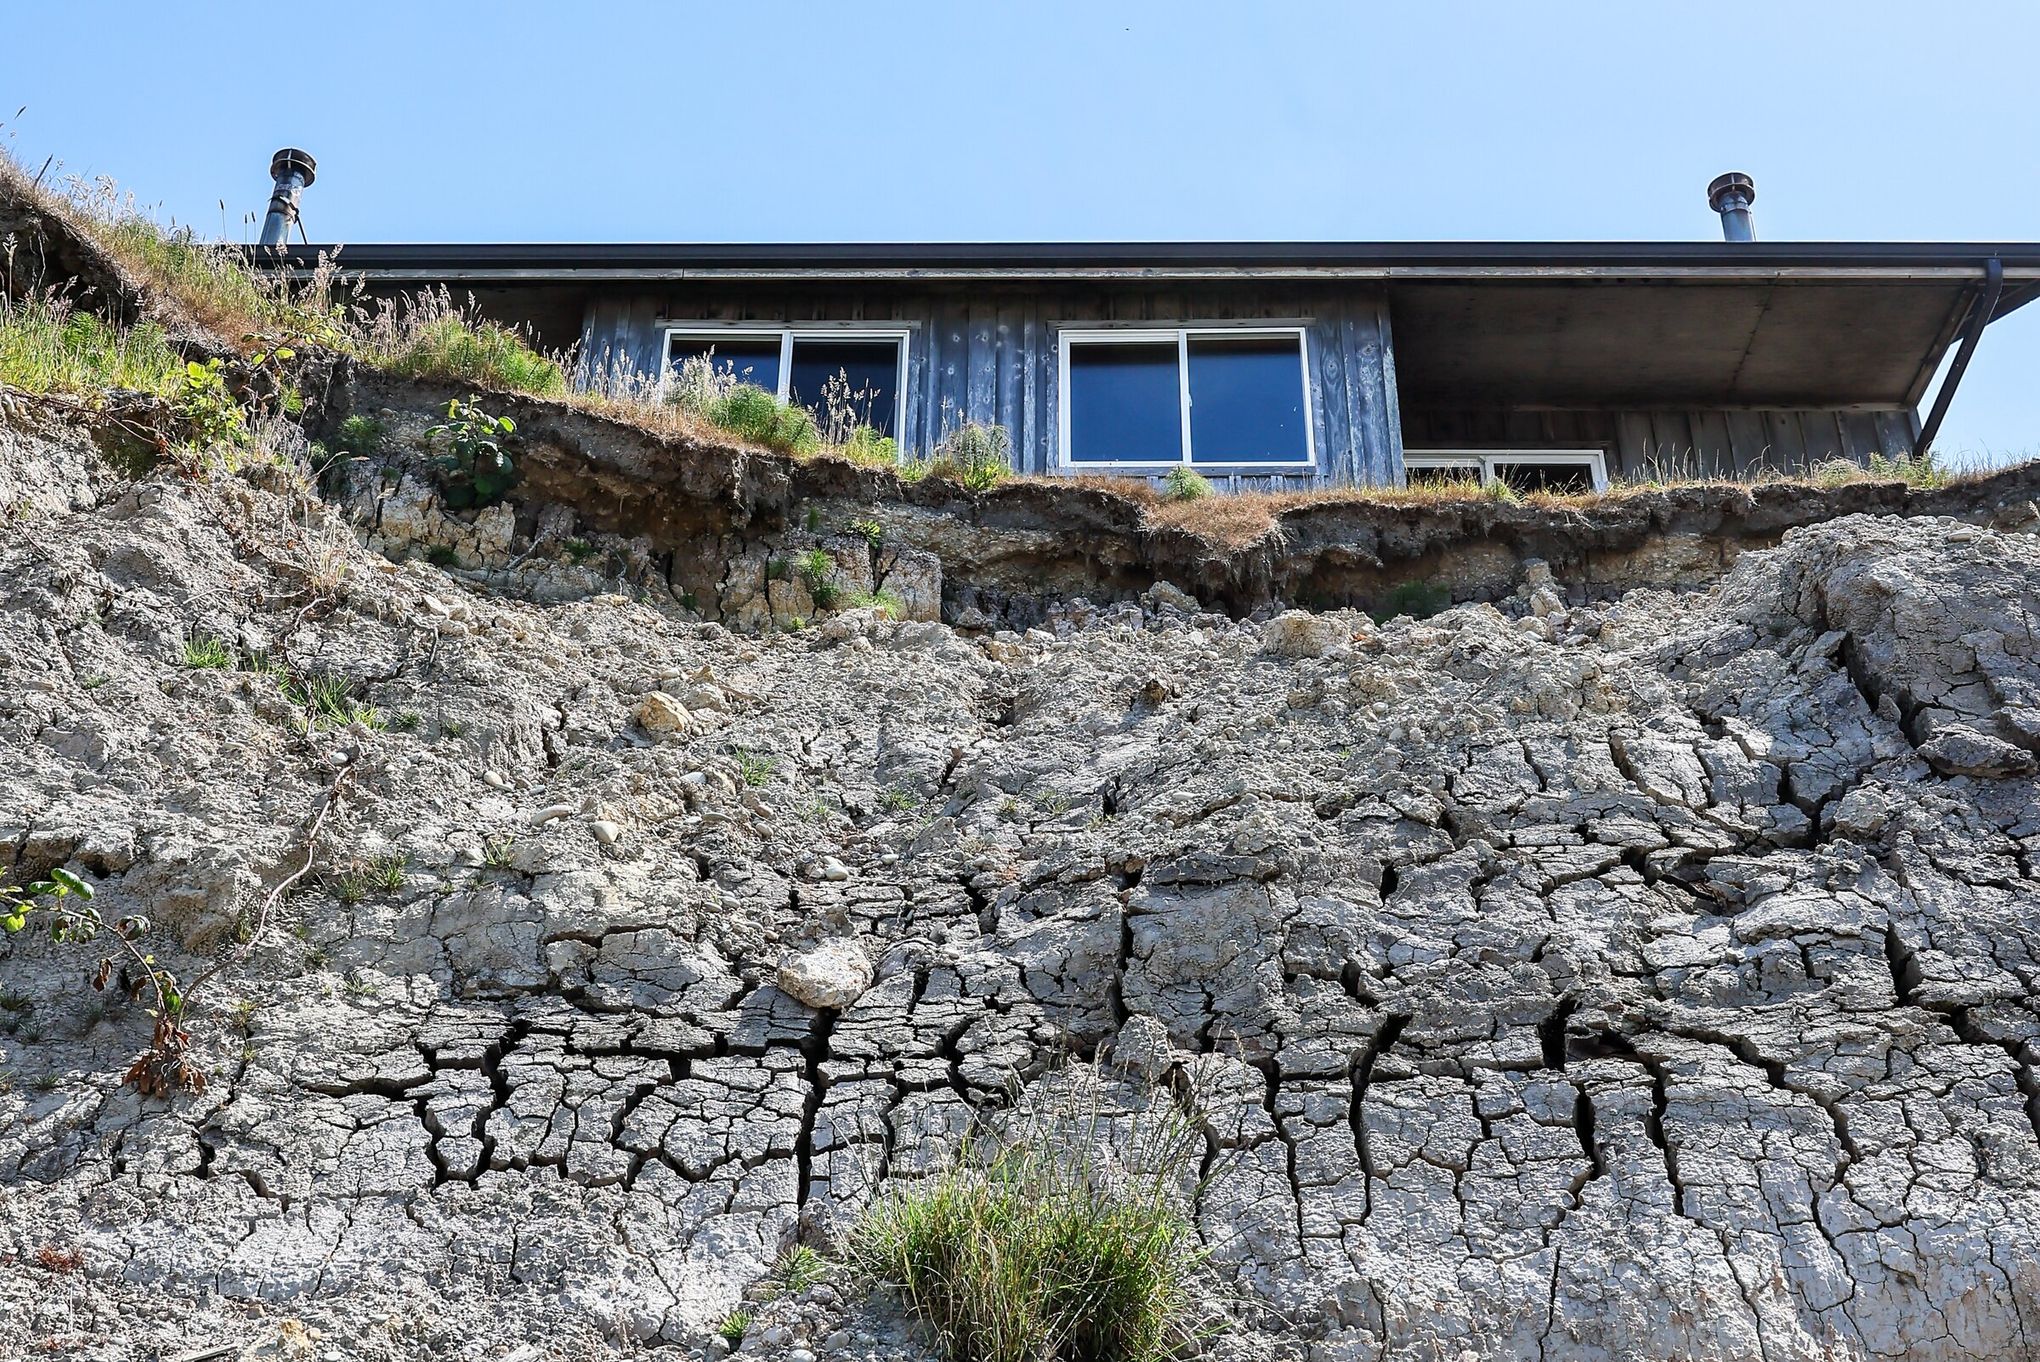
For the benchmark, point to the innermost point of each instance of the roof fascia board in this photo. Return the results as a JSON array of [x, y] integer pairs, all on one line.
[[1415, 274]]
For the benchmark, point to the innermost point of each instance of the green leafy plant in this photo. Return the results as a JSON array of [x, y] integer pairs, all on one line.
[[439, 341], [45, 346], [1922, 471], [888, 604], [474, 469], [871, 532], [207, 409], [388, 870], [442, 556], [63, 902], [499, 853], [978, 456], [866, 446], [578, 550], [1186, 484]]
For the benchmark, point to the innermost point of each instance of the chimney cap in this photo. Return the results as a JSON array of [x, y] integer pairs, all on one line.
[[291, 159], [1734, 182]]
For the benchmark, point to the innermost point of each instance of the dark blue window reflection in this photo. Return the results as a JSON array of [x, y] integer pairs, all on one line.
[[847, 384], [752, 359], [1246, 400], [1126, 404]]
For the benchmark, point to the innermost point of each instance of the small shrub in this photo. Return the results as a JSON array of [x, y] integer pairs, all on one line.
[[778, 570], [203, 652], [499, 853], [898, 799], [978, 456], [349, 886], [578, 551], [474, 470], [442, 556], [734, 1326], [406, 721], [362, 434], [1418, 600], [1185, 484], [207, 409], [871, 531]]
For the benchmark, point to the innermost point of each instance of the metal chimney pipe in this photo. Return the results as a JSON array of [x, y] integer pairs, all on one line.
[[292, 170], [1731, 196]]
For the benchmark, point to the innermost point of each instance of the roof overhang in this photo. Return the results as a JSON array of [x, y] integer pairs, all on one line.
[[1831, 324]]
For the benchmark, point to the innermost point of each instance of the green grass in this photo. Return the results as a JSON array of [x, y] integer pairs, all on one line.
[[978, 456], [46, 347], [203, 652], [1037, 1254], [454, 348], [756, 771], [751, 413]]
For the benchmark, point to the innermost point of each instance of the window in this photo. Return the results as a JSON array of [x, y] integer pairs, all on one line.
[[1199, 395], [846, 377], [1526, 470]]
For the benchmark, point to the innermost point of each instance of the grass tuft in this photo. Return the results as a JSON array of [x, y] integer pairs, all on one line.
[[1038, 1251]]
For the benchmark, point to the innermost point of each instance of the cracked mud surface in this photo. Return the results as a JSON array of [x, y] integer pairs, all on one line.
[[1661, 987]]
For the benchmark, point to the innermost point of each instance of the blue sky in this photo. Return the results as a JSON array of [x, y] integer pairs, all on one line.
[[1055, 120]]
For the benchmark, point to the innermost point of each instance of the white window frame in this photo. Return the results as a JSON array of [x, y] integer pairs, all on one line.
[[1483, 461], [1153, 335], [787, 333]]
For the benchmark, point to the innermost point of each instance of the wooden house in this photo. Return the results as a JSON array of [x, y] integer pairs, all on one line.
[[1276, 365]]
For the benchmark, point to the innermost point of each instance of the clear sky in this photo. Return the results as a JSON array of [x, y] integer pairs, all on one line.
[[1065, 119]]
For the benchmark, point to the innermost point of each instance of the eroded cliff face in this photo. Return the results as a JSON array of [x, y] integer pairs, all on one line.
[[1652, 979]]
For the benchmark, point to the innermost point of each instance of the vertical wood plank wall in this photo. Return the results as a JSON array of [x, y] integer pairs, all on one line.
[[1666, 444], [990, 354]]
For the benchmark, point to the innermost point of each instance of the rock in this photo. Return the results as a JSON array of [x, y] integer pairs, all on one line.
[[605, 831], [1169, 595], [826, 975], [495, 527], [915, 577], [1299, 634], [658, 712], [1959, 750]]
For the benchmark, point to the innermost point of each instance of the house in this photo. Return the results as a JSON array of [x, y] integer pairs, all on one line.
[[1279, 365]]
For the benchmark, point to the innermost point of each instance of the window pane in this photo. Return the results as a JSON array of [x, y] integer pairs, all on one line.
[[752, 359], [847, 384], [1546, 477], [1246, 400], [1126, 403]]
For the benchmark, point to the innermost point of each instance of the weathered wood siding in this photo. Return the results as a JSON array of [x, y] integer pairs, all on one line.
[[989, 353], [1736, 443]]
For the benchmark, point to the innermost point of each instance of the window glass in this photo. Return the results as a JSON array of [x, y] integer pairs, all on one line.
[[1530, 476], [753, 359], [847, 384], [1126, 403], [1246, 400]]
